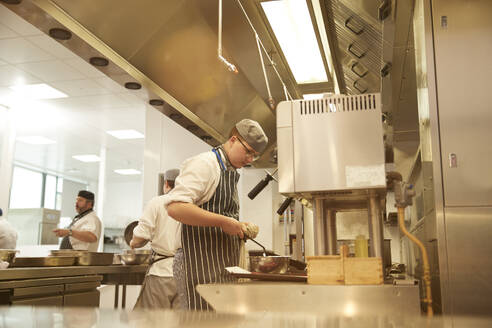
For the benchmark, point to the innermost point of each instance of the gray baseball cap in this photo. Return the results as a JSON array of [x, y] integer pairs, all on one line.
[[171, 175], [253, 134]]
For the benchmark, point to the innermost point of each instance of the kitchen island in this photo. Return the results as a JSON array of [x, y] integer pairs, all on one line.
[[65, 286]]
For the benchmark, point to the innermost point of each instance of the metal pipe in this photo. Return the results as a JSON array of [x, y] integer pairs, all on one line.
[[230, 67], [319, 222], [375, 226], [330, 232], [425, 260]]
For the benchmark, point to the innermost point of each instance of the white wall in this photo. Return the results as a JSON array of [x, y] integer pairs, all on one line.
[[167, 145], [123, 203], [70, 192], [258, 210]]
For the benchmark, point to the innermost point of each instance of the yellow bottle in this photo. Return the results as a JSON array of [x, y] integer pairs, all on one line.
[[361, 249]]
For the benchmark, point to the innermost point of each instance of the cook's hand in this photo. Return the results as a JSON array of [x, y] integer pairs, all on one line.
[[61, 232], [232, 227], [250, 229]]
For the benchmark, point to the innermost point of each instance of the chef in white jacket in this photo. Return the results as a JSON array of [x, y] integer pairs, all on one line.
[[164, 233], [8, 235], [84, 231]]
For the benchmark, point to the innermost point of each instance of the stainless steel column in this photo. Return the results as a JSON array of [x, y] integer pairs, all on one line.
[[375, 226], [298, 217], [330, 231], [319, 227]]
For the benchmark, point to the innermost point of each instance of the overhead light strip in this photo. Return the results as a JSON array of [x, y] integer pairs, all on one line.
[[324, 42], [291, 23]]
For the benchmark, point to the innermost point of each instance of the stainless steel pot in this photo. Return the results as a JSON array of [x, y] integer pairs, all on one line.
[[269, 264], [135, 257]]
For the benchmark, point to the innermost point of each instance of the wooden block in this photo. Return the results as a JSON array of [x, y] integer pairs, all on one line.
[[363, 271], [325, 270]]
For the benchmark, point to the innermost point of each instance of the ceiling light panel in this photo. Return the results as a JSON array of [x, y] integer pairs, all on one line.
[[291, 23], [37, 91], [127, 171], [36, 140], [87, 158], [126, 134]]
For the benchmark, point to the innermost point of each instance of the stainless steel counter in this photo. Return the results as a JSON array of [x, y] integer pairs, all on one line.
[[51, 272], [91, 317], [63, 286], [316, 299]]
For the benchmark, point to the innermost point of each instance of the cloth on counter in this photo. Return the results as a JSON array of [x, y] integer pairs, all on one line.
[[250, 229]]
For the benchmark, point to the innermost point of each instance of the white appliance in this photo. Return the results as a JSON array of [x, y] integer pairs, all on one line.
[[334, 144]]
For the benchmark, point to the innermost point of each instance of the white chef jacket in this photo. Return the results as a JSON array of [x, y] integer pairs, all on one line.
[[8, 235], [198, 178], [89, 222], [163, 232]]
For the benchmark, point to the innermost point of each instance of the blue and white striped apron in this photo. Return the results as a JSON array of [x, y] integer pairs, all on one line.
[[209, 250]]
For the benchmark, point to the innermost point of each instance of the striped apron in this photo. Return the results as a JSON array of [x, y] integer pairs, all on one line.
[[209, 250]]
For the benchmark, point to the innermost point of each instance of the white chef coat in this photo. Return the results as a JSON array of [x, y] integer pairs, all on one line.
[[89, 222], [163, 232], [198, 178], [8, 235]]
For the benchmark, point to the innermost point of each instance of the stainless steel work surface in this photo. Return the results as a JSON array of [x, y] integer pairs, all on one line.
[[51, 272], [26, 316], [317, 299]]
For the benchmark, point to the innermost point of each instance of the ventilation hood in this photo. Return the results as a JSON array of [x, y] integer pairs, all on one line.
[[170, 48]]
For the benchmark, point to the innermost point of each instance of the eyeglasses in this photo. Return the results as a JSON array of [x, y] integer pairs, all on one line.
[[249, 153]]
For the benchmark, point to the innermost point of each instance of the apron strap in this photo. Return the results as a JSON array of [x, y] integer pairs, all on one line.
[[216, 152]]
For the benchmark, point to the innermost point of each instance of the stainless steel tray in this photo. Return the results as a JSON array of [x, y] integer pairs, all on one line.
[[67, 252], [94, 258], [48, 261]]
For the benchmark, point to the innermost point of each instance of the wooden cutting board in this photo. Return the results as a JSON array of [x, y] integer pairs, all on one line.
[[271, 276]]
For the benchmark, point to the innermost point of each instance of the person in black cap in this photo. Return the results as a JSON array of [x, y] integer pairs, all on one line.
[[205, 200], [84, 231], [159, 289]]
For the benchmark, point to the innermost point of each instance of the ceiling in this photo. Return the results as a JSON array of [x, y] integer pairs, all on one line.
[[170, 49], [78, 123]]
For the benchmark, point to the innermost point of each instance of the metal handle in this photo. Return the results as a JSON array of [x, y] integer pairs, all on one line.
[[261, 185], [349, 49], [257, 243], [284, 205], [352, 68], [359, 32], [358, 89]]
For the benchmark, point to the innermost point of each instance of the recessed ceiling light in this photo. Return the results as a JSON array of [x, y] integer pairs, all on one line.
[[175, 116], [133, 85], [291, 23], [126, 134], [87, 158], [38, 91], [60, 34], [36, 140], [127, 171], [156, 102], [98, 61], [12, 2]]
